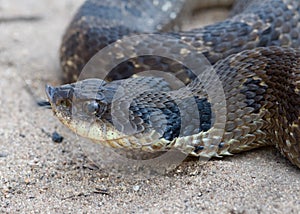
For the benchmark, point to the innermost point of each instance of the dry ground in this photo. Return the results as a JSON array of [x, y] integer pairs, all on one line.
[[38, 175]]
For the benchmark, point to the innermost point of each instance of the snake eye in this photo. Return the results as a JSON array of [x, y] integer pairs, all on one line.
[[93, 107]]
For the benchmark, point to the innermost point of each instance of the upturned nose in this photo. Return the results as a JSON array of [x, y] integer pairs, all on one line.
[[50, 92]]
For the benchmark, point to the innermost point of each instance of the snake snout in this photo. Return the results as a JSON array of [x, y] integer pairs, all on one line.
[[50, 92]]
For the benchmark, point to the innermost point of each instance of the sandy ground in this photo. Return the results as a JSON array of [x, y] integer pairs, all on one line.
[[38, 175]]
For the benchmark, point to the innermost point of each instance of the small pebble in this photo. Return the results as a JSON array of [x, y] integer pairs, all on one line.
[[57, 138], [3, 155], [22, 135], [136, 188]]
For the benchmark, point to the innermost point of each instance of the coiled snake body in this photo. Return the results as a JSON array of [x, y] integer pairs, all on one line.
[[254, 53]]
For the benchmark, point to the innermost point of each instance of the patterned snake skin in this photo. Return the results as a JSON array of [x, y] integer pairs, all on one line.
[[254, 53]]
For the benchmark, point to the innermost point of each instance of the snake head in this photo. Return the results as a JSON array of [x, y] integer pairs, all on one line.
[[84, 107], [84, 100]]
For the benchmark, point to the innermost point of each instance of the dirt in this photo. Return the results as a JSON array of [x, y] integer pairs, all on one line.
[[38, 175]]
